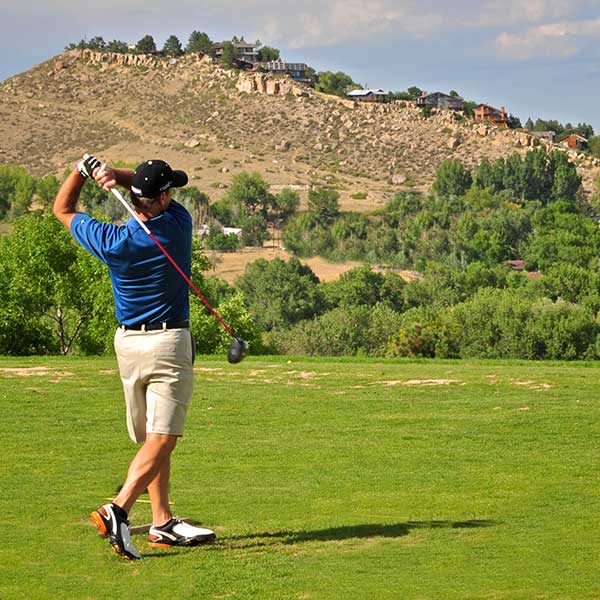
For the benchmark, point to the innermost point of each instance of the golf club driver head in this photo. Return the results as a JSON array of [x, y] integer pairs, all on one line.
[[237, 350]]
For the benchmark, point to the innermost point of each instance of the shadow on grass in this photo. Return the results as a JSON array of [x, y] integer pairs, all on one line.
[[336, 534]]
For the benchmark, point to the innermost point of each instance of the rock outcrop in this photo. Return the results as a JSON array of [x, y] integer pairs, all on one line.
[[263, 83]]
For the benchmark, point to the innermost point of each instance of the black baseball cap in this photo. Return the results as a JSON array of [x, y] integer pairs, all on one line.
[[155, 176]]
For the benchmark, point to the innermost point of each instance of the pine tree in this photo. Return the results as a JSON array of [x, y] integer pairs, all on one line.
[[199, 42], [146, 45], [172, 46]]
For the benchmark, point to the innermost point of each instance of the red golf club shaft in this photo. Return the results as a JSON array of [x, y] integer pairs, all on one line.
[[191, 284]]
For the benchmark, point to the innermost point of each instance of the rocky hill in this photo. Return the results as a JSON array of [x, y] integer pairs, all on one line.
[[215, 122]]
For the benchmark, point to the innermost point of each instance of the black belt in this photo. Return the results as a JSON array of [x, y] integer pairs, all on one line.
[[155, 326]]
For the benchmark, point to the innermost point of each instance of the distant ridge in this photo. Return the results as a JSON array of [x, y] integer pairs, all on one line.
[[191, 112]]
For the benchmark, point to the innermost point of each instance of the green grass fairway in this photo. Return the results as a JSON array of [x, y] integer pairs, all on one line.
[[324, 479]]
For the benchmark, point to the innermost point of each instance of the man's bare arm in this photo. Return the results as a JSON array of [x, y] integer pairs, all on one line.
[[67, 198], [68, 195]]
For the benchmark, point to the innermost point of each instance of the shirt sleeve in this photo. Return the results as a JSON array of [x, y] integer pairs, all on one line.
[[96, 237]]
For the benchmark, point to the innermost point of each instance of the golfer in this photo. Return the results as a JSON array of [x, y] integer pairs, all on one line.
[[153, 343]]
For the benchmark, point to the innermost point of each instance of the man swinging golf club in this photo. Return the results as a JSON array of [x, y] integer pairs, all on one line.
[[153, 343]]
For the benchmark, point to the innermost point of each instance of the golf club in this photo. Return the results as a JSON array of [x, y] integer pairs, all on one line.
[[238, 347]]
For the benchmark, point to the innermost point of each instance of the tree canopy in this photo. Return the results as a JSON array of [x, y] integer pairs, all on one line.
[[338, 83], [199, 42], [146, 45], [172, 46]]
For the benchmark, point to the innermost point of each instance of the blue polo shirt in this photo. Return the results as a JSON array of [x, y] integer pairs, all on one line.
[[146, 286]]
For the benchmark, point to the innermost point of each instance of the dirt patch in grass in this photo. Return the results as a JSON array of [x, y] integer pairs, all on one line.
[[533, 385], [418, 382], [33, 372]]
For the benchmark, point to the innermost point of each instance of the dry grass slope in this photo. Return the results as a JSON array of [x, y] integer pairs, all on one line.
[[192, 113]]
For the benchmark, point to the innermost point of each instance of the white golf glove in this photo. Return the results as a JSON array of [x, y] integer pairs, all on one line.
[[87, 165]]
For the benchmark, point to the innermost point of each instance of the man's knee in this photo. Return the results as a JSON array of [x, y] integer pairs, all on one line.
[[165, 442]]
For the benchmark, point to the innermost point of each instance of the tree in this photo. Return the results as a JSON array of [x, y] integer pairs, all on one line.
[[46, 189], [454, 94], [197, 204], [414, 92], [267, 54], [567, 181], [97, 43], [250, 191], [146, 45], [64, 291], [529, 125], [469, 107], [254, 229], [217, 240], [117, 46], [211, 338], [285, 204], [323, 204], [452, 179], [338, 332], [172, 46], [364, 287], [229, 54], [16, 191], [338, 83], [199, 42], [280, 293], [514, 122], [594, 145]]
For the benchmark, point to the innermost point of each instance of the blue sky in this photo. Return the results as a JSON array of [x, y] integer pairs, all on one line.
[[538, 58]]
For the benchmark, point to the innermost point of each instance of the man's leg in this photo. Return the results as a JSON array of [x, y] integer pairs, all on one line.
[[159, 494], [145, 467]]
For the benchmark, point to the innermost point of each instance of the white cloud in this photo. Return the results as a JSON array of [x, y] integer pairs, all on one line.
[[317, 23], [503, 13], [559, 40], [331, 22]]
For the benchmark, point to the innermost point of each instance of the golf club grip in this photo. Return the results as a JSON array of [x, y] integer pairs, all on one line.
[[122, 200]]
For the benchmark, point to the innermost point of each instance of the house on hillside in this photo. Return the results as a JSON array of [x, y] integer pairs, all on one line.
[[204, 230], [484, 113], [441, 100], [519, 265], [544, 135], [297, 71], [243, 65], [244, 51], [367, 95], [574, 141]]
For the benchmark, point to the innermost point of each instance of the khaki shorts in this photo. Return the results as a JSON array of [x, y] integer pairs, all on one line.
[[157, 375]]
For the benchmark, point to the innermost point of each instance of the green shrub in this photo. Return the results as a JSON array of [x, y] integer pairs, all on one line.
[[280, 293]]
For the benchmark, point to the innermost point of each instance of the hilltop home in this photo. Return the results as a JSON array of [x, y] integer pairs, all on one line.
[[441, 100], [574, 141], [544, 135], [244, 51], [367, 95], [484, 113], [297, 71]]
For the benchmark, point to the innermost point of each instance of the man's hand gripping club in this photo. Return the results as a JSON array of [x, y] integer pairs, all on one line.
[[90, 166]]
